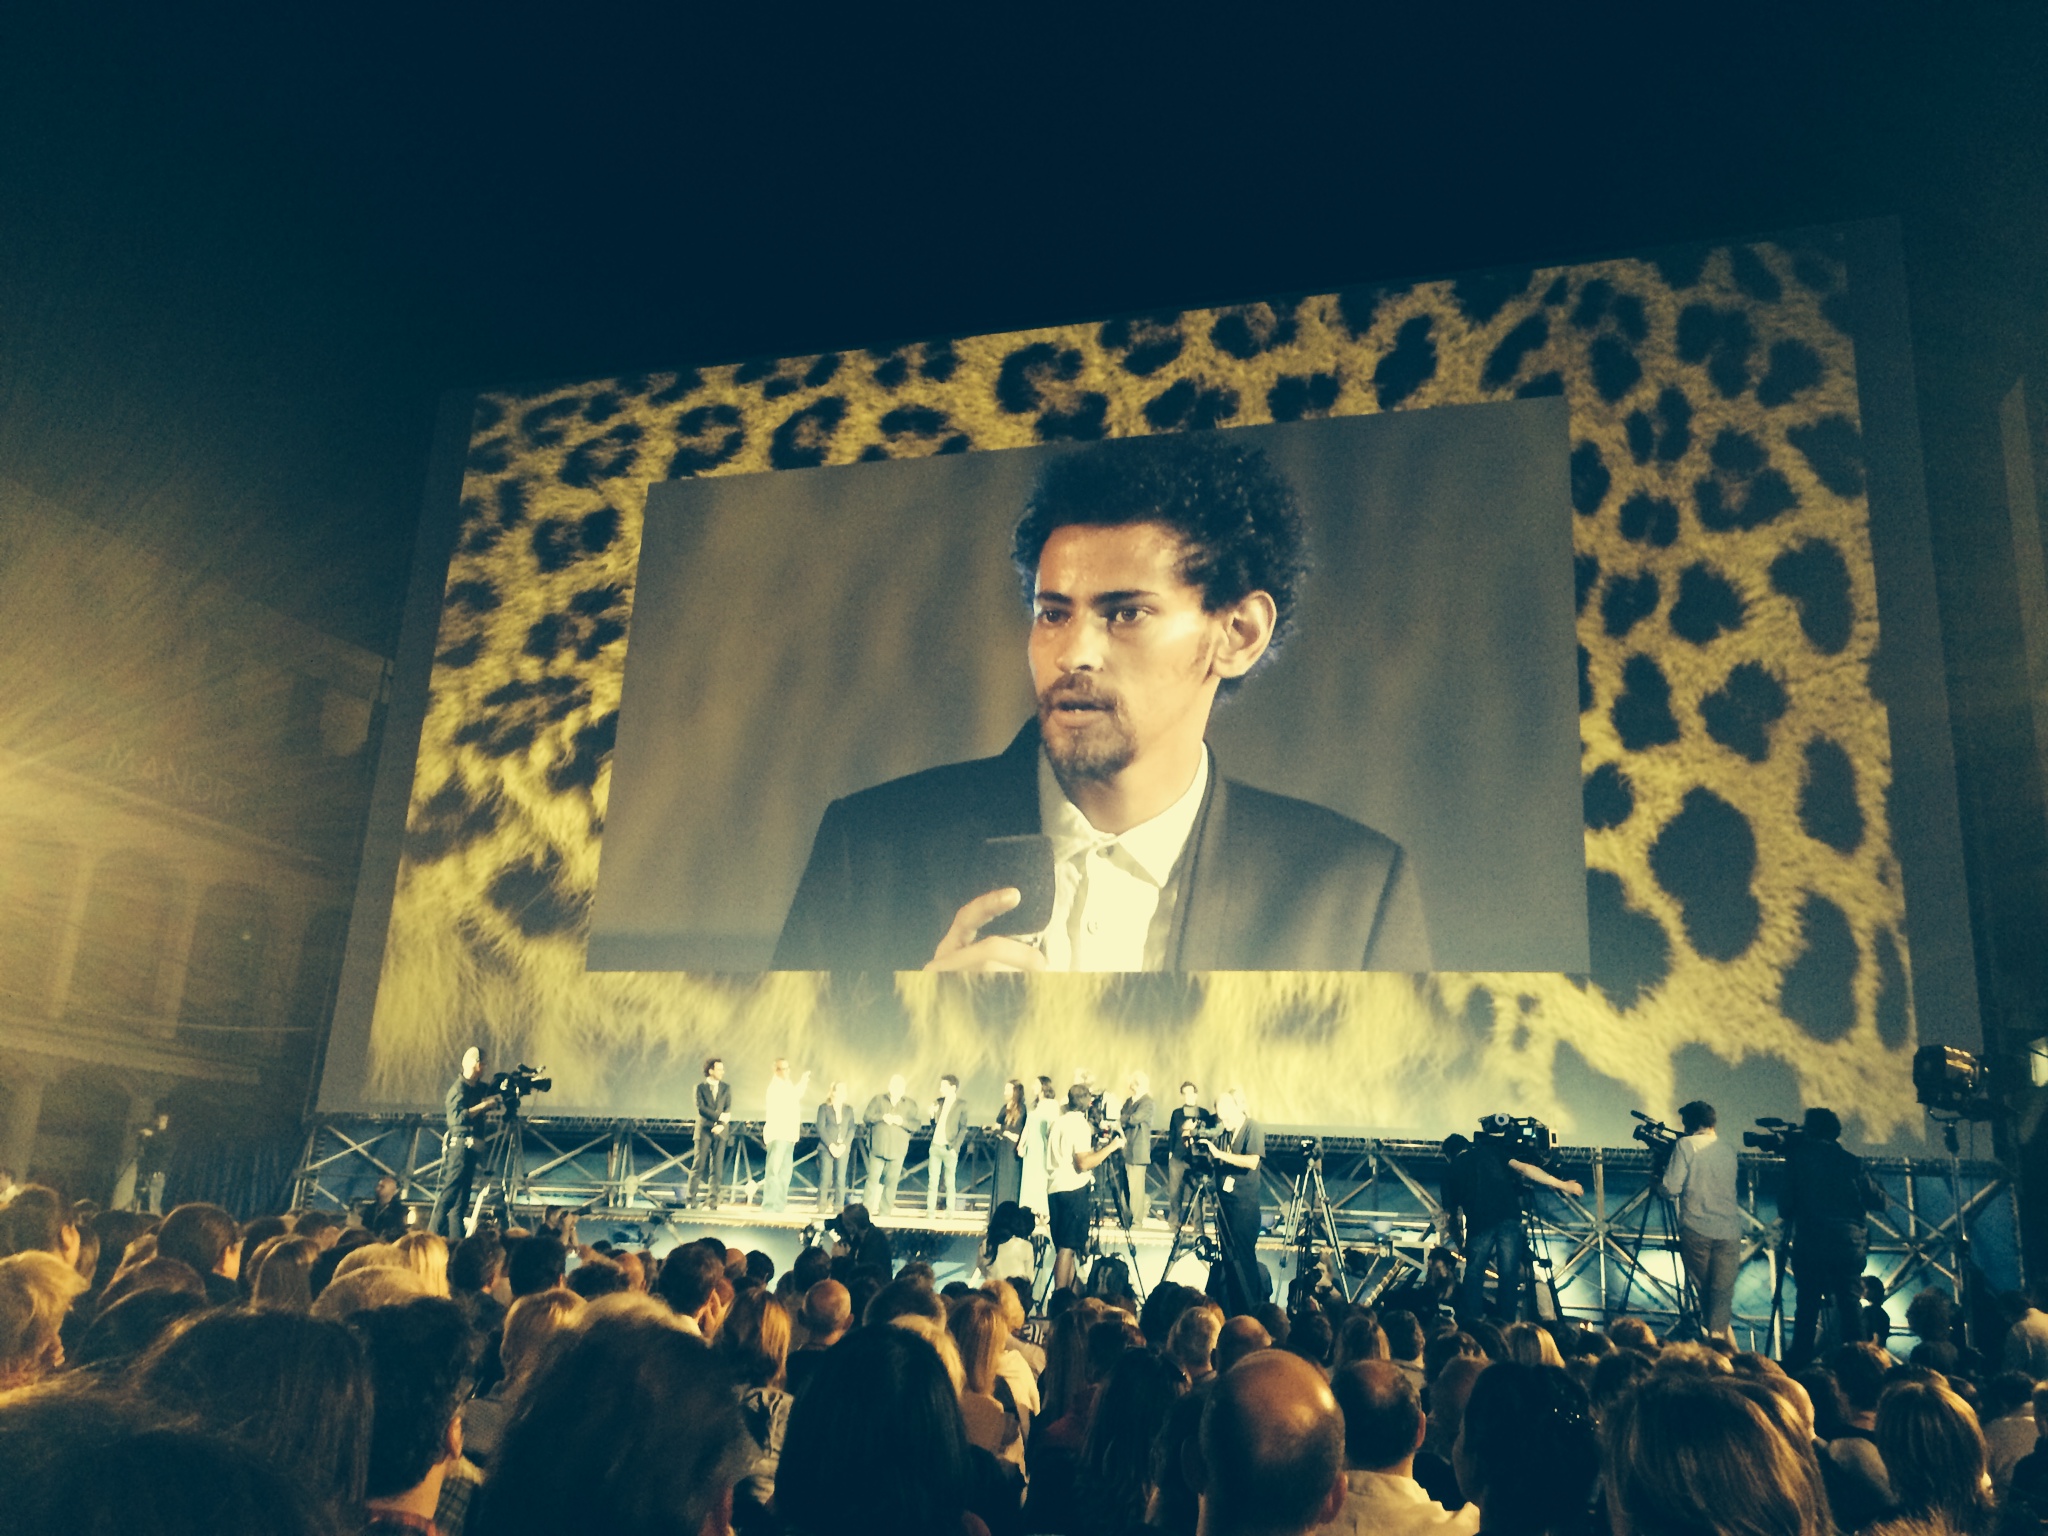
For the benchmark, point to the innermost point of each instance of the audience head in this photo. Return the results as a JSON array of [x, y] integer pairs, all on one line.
[[1694, 1456], [36, 1290], [1363, 1339], [420, 1355], [260, 1231], [296, 1390], [1308, 1336], [131, 1326], [1403, 1333], [39, 1220], [282, 1274], [476, 1263], [324, 1227], [905, 1296], [1192, 1341], [828, 1311], [1240, 1336], [1528, 1344], [380, 1285], [599, 1276], [882, 1398], [755, 1338], [1444, 1348], [1934, 1454], [1526, 1453], [1633, 1333], [426, 1255], [1860, 1372], [630, 1426], [530, 1324], [1272, 1448], [1617, 1375], [979, 1333], [1116, 1461], [152, 1275], [535, 1264], [1383, 1420], [203, 1236]]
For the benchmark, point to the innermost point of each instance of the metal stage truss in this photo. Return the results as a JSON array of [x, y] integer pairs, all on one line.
[[1608, 1251]]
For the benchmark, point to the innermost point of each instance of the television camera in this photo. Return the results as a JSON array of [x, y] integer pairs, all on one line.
[[522, 1080], [1658, 1137], [1777, 1137], [1524, 1136]]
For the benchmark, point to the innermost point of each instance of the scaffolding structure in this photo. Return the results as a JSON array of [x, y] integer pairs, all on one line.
[[1383, 1194]]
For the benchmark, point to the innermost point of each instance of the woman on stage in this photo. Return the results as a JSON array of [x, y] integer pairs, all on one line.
[[1037, 1127], [1009, 1144]]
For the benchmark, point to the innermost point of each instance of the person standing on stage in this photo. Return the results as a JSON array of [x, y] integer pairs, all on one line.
[[1828, 1199], [1137, 1159], [469, 1102], [1009, 1146], [1240, 1149], [942, 1162], [1071, 1158], [1187, 1118], [1701, 1177], [835, 1150], [889, 1119], [714, 1122], [783, 1123], [1485, 1186], [1037, 1127]]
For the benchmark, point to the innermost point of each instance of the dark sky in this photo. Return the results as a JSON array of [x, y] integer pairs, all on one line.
[[238, 262]]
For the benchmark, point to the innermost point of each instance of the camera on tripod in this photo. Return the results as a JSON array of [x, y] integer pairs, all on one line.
[[1657, 1136], [1777, 1136], [522, 1080]]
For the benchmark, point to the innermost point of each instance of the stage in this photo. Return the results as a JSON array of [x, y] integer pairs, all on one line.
[[1607, 1252]]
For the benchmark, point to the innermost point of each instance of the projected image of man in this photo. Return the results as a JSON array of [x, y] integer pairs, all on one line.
[[1161, 572]]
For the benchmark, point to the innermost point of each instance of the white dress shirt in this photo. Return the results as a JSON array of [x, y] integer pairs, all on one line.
[[1114, 895], [785, 1117], [1387, 1504]]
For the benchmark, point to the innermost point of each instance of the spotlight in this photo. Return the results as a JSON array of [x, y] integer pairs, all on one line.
[[1950, 1081]]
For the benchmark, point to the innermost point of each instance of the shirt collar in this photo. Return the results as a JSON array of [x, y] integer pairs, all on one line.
[[1154, 846]]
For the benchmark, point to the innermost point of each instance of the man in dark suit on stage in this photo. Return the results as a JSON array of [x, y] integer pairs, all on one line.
[[1161, 572], [836, 1125], [714, 1122], [890, 1118]]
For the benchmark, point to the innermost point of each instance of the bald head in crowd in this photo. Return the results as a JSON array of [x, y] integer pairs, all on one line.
[[1241, 1336], [1272, 1449]]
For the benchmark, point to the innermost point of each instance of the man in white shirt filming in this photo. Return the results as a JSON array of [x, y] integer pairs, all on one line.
[[1071, 1158]]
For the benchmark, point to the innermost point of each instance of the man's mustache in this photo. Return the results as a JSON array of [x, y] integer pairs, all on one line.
[[1084, 694]]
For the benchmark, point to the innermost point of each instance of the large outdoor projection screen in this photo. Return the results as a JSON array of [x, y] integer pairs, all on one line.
[[1619, 621]]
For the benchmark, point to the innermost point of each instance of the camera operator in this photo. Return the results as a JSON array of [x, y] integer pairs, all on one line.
[[1071, 1158], [1484, 1186], [1700, 1176], [469, 1103], [1240, 1145], [1828, 1198], [1187, 1119]]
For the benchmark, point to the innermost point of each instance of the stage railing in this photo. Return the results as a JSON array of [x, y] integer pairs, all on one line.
[[1608, 1251]]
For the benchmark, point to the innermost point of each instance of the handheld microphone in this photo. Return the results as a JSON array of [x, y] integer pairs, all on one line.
[[1026, 863]]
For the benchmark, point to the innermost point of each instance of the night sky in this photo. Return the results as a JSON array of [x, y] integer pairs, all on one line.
[[237, 262]]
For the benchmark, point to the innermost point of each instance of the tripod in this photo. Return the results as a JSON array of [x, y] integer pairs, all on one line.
[[1536, 1253], [1194, 1237], [505, 1169], [1689, 1324], [1309, 1219], [1114, 1165]]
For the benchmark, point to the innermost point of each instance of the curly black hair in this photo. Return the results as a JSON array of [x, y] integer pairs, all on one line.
[[1237, 518]]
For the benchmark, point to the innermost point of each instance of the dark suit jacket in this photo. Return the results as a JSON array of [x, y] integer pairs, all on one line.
[[1267, 883], [713, 1100], [891, 1141], [835, 1126]]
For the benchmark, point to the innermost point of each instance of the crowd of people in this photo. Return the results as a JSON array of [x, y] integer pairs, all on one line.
[[300, 1373]]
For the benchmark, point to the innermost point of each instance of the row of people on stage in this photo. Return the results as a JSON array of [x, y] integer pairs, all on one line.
[[1023, 1127]]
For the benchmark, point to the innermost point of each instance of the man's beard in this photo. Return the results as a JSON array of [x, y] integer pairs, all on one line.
[[1099, 747]]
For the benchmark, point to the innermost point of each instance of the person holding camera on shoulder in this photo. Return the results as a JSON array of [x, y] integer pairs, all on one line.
[[1827, 1199], [472, 1100], [1700, 1176], [1484, 1188]]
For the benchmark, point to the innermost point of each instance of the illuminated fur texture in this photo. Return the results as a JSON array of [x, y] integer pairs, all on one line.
[[1744, 896]]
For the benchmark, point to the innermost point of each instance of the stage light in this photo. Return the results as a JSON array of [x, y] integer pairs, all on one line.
[[2037, 1062], [1950, 1081]]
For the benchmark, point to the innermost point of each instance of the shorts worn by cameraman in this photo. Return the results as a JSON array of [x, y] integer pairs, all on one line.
[[1071, 1209]]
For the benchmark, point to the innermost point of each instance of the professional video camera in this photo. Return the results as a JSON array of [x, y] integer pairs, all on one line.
[[1657, 1136], [522, 1080], [1777, 1136], [1528, 1138], [1200, 1146]]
